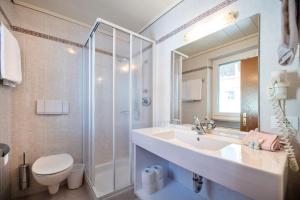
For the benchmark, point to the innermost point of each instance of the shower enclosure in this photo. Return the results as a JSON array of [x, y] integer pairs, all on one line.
[[118, 88]]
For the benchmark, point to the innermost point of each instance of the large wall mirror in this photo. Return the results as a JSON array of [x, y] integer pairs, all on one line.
[[217, 77]]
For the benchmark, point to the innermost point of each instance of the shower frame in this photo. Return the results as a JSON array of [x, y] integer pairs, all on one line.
[[90, 166]]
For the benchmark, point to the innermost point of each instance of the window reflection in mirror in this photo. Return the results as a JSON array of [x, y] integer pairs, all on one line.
[[216, 78], [229, 96]]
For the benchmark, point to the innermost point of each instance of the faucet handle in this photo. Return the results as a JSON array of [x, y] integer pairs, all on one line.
[[211, 124], [196, 120]]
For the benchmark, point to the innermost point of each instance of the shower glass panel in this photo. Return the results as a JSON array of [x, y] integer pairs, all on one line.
[[86, 132], [103, 107], [176, 76], [117, 83], [122, 109], [142, 67]]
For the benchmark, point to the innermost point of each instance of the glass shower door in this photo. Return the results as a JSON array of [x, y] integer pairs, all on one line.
[[176, 76], [122, 109], [142, 83], [87, 147], [117, 78], [103, 97]]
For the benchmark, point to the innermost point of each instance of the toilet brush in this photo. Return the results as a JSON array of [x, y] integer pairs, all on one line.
[[24, 174]]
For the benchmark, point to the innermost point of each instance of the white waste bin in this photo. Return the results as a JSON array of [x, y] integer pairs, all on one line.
[[76, 176]]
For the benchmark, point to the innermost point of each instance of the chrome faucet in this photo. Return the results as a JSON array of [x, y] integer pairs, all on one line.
[[198, 127]]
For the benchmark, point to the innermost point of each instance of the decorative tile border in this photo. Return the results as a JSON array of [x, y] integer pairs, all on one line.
[[5, 16], [196, 19], [57, 39], [197, 69], [163, 38], [37, 34], [45, 36]]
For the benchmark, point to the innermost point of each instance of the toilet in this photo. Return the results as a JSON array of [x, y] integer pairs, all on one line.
[[51, 170]]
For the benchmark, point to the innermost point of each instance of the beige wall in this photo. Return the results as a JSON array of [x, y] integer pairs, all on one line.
[[50, 72], [5, 127]]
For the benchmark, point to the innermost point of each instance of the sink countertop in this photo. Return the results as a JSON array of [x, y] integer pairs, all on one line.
[[271, 162], [257, 174]]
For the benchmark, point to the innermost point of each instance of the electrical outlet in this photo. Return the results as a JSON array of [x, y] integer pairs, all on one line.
[[294, 120]]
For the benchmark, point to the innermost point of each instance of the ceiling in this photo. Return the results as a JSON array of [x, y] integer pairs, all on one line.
[[131, 14], [240, 29]]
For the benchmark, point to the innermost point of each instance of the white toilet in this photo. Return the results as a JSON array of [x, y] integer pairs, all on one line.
[[52, 170]]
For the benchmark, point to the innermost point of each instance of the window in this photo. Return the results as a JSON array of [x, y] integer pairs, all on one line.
[[229, 80], [226, 86]]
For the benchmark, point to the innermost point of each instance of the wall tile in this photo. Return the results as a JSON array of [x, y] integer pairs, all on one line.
[[51, 72]]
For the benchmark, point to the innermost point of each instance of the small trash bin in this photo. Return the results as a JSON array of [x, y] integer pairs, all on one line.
[[76, 176]]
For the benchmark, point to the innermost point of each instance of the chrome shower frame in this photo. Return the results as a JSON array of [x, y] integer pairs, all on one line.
[[90, 166]]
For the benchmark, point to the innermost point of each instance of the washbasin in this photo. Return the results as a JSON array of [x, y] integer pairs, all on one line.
[[191, 139]]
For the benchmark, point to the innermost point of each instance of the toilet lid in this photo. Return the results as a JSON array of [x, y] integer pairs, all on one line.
[[52, 164]]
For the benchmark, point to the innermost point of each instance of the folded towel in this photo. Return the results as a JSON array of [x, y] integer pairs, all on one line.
[[268, 142], [287, 49]]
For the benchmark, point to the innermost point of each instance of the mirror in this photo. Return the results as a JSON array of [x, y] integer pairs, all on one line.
[[217, 78]]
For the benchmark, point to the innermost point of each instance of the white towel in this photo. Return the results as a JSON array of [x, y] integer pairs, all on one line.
[[10, 57], [287, 49]]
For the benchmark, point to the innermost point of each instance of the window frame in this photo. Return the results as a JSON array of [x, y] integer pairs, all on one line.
[[216, 115]]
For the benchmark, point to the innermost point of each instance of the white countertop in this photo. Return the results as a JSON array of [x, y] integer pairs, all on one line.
[[265, 165]]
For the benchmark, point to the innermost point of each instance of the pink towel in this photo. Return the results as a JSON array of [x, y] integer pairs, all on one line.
[[270, 142]]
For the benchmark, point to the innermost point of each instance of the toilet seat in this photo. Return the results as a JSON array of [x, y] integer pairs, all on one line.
[[52, 164]]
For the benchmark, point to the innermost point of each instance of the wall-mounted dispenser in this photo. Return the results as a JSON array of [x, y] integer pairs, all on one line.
[[278, 97], [10, 60]]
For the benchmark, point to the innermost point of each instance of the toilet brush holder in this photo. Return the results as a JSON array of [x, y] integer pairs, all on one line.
[[24, 175]]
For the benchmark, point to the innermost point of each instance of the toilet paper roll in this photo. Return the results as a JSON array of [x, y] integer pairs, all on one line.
[[148, 176], [160, 184], [158, 171], [149, 188]]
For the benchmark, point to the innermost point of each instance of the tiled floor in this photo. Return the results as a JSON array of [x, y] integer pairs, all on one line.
[[78, 194], [63, 194]]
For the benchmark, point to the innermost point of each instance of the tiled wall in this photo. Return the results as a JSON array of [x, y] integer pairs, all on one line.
[[52, 69], [5, 125]]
